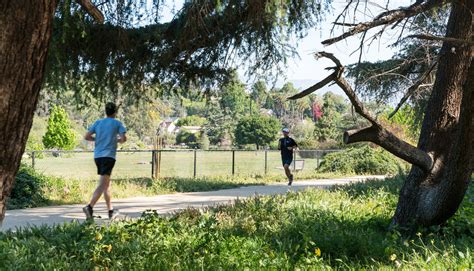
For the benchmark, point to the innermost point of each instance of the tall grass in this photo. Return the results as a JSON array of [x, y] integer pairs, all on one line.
[[344, 228]]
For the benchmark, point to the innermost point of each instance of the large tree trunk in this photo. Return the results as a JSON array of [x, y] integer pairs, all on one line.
[[431, 197], [25, 27]]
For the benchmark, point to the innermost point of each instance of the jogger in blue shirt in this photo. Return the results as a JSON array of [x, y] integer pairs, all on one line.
[[108, 132]]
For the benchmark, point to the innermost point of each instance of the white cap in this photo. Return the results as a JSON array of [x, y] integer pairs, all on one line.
[[285, 130]]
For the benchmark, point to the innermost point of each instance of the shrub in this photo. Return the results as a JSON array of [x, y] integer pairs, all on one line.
[[27, 190], [361, 160], [59, 133], [186, 137]]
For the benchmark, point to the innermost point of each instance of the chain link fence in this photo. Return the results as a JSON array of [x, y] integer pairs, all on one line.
[[173, 163]]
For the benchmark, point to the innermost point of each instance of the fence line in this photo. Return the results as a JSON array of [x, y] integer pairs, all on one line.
[[156, 158]]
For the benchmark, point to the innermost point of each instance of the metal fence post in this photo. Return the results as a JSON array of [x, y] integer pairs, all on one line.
[[33, 159], [317, 159], [194, 174], [158, 165], [266, 161], [233, 162], [294, 160]]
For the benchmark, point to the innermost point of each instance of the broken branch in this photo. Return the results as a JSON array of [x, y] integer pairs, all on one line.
[[391, 143], [91, 10]]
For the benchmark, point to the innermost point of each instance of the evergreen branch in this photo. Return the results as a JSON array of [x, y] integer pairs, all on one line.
[[388, 17]]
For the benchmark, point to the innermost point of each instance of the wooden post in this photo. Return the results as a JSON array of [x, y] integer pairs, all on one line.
[[233, 162]]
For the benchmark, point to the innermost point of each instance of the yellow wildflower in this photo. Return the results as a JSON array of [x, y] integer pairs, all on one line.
[[393, 257], [317, 251]]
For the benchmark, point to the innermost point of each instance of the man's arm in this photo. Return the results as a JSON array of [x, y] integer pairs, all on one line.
[[279, 144], [89, 136], [122, 138]]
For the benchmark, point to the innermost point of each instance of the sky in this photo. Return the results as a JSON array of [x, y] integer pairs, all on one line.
[[305, 70]]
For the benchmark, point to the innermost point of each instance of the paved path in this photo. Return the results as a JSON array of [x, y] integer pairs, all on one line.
[[163, 204]]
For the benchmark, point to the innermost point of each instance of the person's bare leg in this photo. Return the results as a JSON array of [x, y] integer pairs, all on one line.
[[104, 181], [287, 170], [107, 194]]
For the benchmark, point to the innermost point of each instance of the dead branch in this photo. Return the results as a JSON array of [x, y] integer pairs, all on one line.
[[92, 10], [444, 39], [412, 89], [388, 17], [376, 133], [315, 87]]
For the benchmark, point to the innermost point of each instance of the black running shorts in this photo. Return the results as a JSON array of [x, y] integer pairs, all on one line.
[[104, 165]]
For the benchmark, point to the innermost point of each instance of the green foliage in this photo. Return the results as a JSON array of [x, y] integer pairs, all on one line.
[[192, 120], [328, 127], [204, 142], [28, 189], [220, 125], [361, 160], [304, 130], [259, 93], [233, 99], [345, 228], [59, 133], [133, 142], [186, 137], [406, 117], [124, 56], [257, 129]]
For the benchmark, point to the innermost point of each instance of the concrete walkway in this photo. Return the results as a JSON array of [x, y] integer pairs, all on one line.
[[163, 204]]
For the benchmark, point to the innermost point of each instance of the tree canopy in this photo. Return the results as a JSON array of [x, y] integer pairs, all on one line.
[[134, 54]]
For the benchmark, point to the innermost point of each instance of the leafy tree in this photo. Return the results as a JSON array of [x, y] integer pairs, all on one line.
[[219, 125], [259, 93], [204, 141], [191, 121], [59, 133], [257, 129], [328, 127], [233, 98]]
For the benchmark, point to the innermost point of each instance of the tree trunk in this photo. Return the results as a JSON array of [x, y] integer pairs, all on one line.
[[25, 34], [430, 198]]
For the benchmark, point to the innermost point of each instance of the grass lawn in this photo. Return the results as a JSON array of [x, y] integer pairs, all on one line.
[[174, 164], [37, 189], [344, 228]]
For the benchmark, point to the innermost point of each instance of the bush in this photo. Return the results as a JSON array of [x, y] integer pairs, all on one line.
[[59, 133], [361, 160], [27, 190], [186, 137]]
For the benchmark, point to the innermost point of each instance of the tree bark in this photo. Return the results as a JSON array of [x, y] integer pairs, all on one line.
[[430, 198], [25, 34]]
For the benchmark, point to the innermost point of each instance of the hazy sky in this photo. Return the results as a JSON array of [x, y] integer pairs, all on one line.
[[305, 70]]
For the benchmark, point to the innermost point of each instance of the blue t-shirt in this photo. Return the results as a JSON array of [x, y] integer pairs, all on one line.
[[106, 131]]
